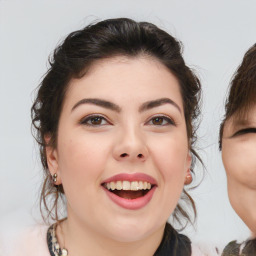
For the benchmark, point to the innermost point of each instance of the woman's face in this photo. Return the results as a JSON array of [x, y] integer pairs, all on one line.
[[239, 158], [121, 132]]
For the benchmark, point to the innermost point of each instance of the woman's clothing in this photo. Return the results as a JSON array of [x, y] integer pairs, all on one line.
[[248, 248], [40, 242], [33, 242], [172, 244], [52, 242]]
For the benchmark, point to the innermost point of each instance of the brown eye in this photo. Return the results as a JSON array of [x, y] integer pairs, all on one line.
[[158, 121], [94, 121], [161, 121]]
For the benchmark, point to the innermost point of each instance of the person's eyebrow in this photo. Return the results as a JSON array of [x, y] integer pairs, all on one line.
[[156, 103], [241, 123], [98, 102]]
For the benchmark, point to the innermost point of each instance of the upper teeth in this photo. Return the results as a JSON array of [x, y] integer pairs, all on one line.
[[127, 185]]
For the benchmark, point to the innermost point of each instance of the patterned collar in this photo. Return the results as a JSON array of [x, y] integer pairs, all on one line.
[[52, 242]]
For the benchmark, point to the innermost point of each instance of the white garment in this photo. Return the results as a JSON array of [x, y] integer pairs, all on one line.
[[33, 242]]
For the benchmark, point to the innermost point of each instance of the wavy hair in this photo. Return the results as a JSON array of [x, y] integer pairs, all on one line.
[[72, 59]]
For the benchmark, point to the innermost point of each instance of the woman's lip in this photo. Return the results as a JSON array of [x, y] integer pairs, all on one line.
[[131, 204], [131, 177]]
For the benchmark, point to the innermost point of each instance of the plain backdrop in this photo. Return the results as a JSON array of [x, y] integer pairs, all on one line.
[[215, 35]]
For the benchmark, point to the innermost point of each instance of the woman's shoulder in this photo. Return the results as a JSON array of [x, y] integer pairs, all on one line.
[[30, 242]]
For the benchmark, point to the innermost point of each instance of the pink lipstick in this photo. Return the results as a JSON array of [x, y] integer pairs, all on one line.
[[130, 191]]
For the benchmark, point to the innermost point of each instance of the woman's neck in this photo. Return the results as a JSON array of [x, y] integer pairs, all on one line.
[[78, 239]]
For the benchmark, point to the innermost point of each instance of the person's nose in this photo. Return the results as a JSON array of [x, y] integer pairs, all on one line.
[[130, 146]]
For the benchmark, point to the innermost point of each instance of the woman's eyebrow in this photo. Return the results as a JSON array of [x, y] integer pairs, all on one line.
[[112, 106], [156, 103], [98, 102]]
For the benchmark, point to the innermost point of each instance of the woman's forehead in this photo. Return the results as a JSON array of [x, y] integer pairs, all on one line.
[[116, 77]]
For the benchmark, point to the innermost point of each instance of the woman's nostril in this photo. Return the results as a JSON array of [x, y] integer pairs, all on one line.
[[125, 155]]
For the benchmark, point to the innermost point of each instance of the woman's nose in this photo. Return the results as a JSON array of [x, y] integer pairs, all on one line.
[[130, 146]]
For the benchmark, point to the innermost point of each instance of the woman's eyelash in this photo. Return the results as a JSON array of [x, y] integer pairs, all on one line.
[[94, 120], [161, 121], [98, 120], [244, 131]]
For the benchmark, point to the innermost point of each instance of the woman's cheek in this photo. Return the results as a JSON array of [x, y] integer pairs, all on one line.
[[170, 157]]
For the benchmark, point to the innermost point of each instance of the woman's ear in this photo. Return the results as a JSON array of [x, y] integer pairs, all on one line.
[[189, 161], [188, 176], [52, 160]]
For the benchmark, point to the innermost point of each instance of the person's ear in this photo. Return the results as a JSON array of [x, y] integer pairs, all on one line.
[[189, 160], [188, 175], [52, 161]]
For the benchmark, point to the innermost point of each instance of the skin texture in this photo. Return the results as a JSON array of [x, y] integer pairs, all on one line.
[[239, 158], [126, 141]]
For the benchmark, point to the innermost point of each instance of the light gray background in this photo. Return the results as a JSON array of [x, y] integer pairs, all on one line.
[[215, 35]]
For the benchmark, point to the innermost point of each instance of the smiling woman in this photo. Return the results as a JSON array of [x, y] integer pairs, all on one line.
[[115, 121]]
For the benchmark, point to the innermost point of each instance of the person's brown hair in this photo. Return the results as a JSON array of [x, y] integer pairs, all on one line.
[[242, 92], [72, 59]]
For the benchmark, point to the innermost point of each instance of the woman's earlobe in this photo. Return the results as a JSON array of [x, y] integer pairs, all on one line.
[[189, 160], [188, 175], [53, 166], [52, 160]]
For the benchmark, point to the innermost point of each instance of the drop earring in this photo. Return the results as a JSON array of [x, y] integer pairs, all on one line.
[[188, 179], [54, 178]]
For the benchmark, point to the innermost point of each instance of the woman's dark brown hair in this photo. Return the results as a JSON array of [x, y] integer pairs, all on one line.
[[73, 58], [242, 93]]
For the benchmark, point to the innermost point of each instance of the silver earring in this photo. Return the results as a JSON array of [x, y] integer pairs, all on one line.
[[54, 178]]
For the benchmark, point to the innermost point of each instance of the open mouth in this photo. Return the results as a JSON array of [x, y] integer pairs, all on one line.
[[127, 189]]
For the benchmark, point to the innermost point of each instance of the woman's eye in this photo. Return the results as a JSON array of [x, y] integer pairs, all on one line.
[[245, 131], [94, 121], [161, 121]]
